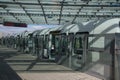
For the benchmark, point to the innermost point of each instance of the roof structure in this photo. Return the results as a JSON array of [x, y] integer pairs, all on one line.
[[57, 11]]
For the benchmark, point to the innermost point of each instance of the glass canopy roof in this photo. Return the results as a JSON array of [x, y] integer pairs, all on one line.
[[57, 11]]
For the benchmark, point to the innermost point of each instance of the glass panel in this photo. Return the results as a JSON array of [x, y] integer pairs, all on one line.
[[46, 42], [57, 43], [36, 41], [100, 64], [40, 41], [54, 45], [97, 42], [100, 56], [30, 42], [70, 43], [117, 66], [63, 43], [53, 39], [95, 56], [78, 43], [117, 57]]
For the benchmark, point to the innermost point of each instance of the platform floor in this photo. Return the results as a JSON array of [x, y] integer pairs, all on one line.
[[27, 67], [57, 76]]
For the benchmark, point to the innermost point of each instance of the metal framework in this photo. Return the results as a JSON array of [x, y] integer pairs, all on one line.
[[58, 12], [76, 16], [43, 11], [12, 15], [27, 14], [61, 11]]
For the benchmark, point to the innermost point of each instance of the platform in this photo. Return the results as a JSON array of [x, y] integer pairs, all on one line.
[[27, 67]]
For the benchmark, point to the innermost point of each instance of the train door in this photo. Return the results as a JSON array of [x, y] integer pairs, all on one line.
[[30, 44], [36, 45], [45, 46], [70, 40], [26, 44], [17, 42], [40, 44], [61, 49], [33, 45], [63, 45], [52, 53], [57, 47], [52, 43], [80, 49], [22, 44]]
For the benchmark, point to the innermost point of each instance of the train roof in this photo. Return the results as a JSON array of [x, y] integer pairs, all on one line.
[[102, 26]]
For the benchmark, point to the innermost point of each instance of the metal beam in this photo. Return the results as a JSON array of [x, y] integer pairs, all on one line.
[[61, 11], [76, 16], [43, 11], [67, 15], [25, 11], [12, 15], [53, 4], [15, 17], [27, 14]]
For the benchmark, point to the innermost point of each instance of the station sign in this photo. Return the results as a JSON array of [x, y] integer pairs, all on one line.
[[12, 24]]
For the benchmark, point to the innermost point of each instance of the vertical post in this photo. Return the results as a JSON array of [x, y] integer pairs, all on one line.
[[117, 58]]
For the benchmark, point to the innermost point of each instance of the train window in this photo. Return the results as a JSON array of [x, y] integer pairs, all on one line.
[[53, 39], [78, 43]]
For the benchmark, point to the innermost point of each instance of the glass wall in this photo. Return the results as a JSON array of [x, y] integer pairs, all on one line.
[[63, 44], [117, 57], [100, 56]]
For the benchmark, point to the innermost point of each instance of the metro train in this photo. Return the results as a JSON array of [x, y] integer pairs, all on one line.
[[73, 45], [46, 43], [73, 40]]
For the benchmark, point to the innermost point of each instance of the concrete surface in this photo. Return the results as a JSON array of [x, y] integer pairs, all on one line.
[[31, 69], [57, 76]]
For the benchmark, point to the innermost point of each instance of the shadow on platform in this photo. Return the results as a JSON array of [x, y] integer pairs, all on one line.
[[32, 64], [6, 72], [7, 53]]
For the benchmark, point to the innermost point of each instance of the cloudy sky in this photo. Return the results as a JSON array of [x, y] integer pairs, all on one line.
[[13, 30]]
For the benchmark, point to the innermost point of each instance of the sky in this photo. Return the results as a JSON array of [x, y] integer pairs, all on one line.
[[9, 30]]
